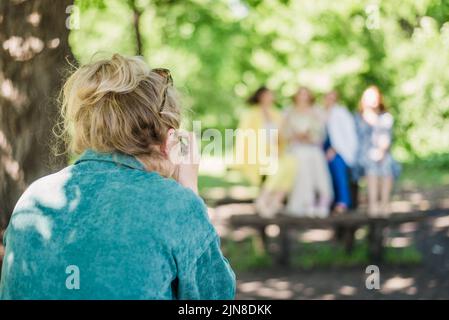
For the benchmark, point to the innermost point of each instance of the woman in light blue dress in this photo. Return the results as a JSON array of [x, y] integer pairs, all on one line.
[[374, 126]]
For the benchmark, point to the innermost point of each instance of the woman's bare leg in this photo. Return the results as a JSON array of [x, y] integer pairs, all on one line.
[[269, 203], [385, 193], [373, 195]]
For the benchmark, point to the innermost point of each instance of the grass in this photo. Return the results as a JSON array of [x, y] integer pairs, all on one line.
[[243, 255], [317, 255], [424, 174], [206, 182]]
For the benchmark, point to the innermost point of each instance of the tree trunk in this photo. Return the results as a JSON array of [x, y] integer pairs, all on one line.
[[33, 54], [137, 13]]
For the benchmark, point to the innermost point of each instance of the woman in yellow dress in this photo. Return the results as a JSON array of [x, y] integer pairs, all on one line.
[[257, 142], [266, 151]]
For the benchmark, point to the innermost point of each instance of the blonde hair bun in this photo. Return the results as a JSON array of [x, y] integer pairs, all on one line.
[[116, 105]]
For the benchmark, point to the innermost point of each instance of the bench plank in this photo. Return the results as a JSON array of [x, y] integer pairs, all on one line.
[[350, 219], [348, 223]]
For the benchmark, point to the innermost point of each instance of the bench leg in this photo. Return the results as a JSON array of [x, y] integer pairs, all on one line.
[[261, 242], [346, 236], [375, 242], [348, 239], [284, 247]]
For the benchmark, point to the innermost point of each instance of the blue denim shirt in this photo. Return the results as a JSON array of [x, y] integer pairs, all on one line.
[[104, 228]]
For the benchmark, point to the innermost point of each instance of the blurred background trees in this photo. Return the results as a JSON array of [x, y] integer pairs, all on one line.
[[220, 51]]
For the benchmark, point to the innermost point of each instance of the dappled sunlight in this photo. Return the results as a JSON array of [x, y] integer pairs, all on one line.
[[221, 215], [401, 206], [34, 18], [9, 260], [408, 227], [418, 203], [250, 286], [215, 193], [361, 233], [10, 165], [53, 43], [8, 90], [22, 49], [441, 223], [271, 288], [272, 230], [272, 293], [411, 291], [400, 242], [416, 198], [330, 296], [315, 235], [48, 192], [336, 284], [226, 211], [73, 204], [241, 234], [33, 220], [347, 290], [444, 203], [278, 284], [11, 93], [424, 205], [396, 283]]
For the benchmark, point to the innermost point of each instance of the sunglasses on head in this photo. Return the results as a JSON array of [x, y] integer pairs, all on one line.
[[165, 73]]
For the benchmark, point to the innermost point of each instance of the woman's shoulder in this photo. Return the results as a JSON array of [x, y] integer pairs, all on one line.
[[49, 189], [386, 119]]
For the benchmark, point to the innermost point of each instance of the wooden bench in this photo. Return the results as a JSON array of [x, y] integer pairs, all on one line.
[[348, 223]]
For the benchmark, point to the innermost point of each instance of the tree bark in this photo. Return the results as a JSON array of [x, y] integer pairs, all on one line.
[[136, 24], [33, 54]]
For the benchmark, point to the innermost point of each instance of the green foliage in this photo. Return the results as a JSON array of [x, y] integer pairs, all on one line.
[[244, 257], [221, 50]]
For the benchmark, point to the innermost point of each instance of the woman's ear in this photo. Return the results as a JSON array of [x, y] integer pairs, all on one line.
[[169, 142]]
